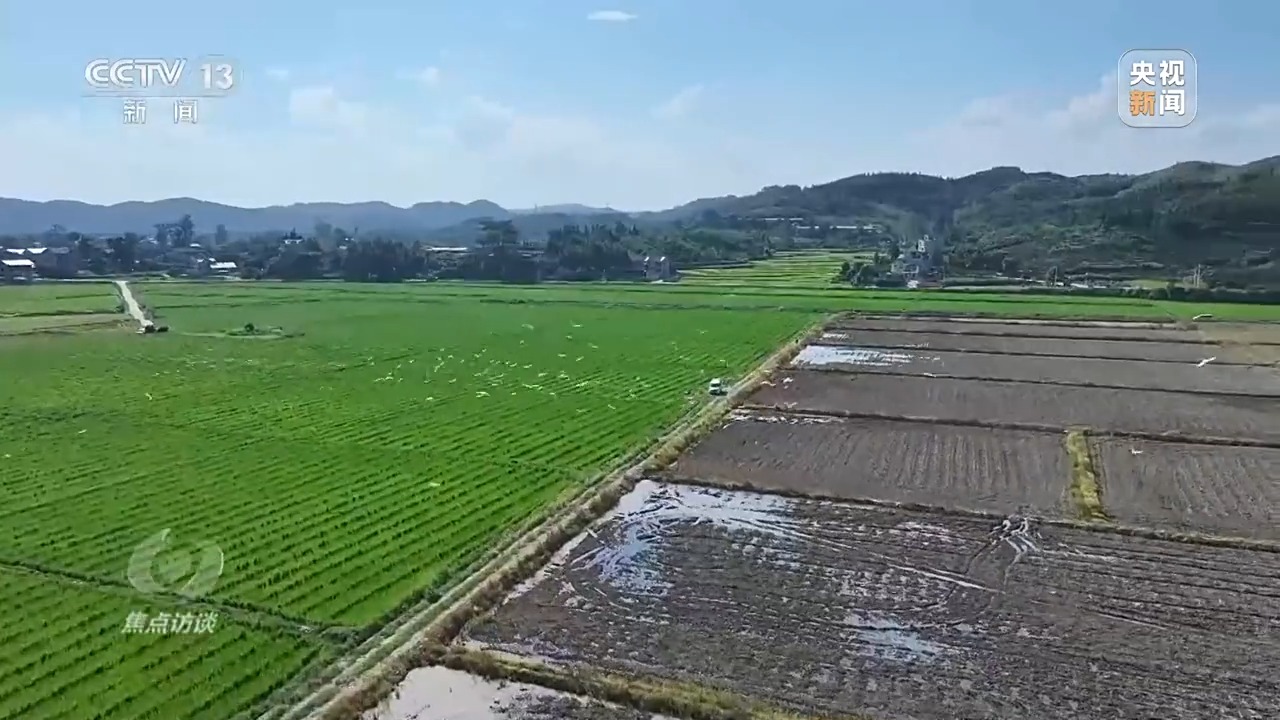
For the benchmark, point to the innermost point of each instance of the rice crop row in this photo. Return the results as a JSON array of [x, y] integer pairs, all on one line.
[[57, 298], [66, 656]]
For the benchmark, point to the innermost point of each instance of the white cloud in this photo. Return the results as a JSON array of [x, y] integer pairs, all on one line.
[[279, 74], [320, 106], [343, 148], [680, 104], [1083, 134], [617, 16], [428, 76]]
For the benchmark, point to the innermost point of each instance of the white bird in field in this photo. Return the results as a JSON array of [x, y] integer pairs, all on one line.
[[1203, 316], [1135, 451], [1206, 361]]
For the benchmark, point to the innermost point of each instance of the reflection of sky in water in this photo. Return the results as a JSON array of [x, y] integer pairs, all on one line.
[[628, 557], [438, 693], [832, 355], [891, 640], [643, 516]]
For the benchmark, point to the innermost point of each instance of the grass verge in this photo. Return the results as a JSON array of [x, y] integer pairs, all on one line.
[[1085, 490], [666, 697]]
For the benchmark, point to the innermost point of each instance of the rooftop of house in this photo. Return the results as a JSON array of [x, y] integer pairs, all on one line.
[[39, 251]]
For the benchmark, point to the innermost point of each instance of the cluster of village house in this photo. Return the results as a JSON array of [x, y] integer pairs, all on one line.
[[18, 264], [25, 264]]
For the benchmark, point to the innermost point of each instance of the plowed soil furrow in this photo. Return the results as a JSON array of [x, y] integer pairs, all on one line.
[[834, 608], [982, 469], [1223, 490], [1050, 347], [1148, 411], [1249, 380], [1096, 331]]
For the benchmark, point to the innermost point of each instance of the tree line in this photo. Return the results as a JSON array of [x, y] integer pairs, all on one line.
[[573, 252]]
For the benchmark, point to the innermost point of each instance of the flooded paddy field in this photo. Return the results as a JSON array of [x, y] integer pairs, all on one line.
[[1136, 374], [1073, 348], [1039, 329], [991, 401], [966, 467], [438, 693], [833, 608], [1205, 488]]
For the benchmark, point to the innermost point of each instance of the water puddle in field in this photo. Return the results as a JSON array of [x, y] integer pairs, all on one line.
[[438, 693], [888, 639], [817, 355], [629, 538], [648, 514], [626, 553], [741, 415]]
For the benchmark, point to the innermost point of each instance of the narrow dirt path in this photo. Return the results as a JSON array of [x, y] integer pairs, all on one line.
[[131, 305]]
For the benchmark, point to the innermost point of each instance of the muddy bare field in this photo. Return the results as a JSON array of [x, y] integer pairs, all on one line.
[[1007, 329], [1257, 343], [1138, 374], [438, 693], [975, 468], [1205, 488], [1147, 411], [831, 608], [1075, 348]]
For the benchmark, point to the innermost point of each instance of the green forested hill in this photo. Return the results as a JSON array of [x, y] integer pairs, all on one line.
[[1225, 217]]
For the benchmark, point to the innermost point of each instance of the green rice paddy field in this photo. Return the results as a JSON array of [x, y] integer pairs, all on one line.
[[358, 462], [344, 471]]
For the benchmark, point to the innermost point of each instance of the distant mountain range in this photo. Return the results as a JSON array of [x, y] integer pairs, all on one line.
[[1191, 212], [24, 216], [568, 209]]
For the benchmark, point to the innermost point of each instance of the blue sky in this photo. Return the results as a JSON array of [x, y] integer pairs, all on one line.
[[532, 102]]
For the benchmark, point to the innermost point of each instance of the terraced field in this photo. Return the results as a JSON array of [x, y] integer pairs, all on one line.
[[360, 460], [1188, 487], [984, 469], [799, 270]]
